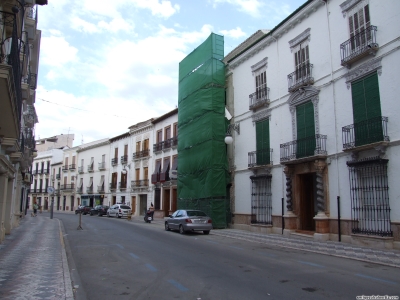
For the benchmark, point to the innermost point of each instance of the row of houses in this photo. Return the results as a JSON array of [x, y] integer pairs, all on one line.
[[19, 65], [133, 168]]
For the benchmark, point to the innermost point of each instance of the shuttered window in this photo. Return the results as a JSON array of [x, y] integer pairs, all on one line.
[[367, 110], [305, 130], [262, 142], [358, 22]]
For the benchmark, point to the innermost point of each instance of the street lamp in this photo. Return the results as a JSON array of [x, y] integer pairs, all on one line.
[[228, 137]]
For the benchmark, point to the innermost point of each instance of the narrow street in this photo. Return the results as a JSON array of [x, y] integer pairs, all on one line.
[[134, 260]]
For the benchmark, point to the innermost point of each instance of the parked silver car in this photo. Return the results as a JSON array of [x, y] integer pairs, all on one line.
[[189, 220], [119, 210]]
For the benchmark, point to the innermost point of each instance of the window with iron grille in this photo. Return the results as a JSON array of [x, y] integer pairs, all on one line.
[[369, 191], [261, 200], [358, 21]]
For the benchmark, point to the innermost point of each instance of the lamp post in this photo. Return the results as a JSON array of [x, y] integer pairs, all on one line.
[[228, 136]]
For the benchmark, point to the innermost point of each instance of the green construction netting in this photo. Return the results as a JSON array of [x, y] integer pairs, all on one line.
[[203, 175]]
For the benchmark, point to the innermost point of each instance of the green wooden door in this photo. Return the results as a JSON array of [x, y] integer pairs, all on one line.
[[262, 143], [367, 110], [305, 130]]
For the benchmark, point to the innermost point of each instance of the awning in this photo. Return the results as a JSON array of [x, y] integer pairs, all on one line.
[[164, 174], [155, 176]]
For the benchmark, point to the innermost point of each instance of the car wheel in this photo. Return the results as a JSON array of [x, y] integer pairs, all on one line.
[[119, 216], [181, 230], [206, 231], [167, 227]]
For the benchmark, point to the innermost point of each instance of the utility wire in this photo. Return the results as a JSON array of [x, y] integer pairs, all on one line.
[[82, 109]]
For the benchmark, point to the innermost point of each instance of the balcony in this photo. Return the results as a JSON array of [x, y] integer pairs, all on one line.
[[45, 171], [303, 149], [58, 176], [57, 192], [139, 184], [124, 159], [35, 172], [174, 142], [358, 46], [53, 177], [114, 161], [366, 134], [158, 147], [72, 167], [260, 158], [80, 170], [89, 189], [113, 187], [79, 190], [65, 168], [67, 187], [122, 185], [102, 165], [300, 78], [90, 168], [141, 154], [259, 98], [100, 188]]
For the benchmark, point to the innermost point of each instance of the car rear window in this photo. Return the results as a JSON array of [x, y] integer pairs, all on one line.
[[125, 207], [196, 214]]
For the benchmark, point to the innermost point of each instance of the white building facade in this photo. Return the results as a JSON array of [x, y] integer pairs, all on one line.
[[314, 101]]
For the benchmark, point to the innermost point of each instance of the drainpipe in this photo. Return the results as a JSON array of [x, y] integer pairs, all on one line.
[[335, 112]]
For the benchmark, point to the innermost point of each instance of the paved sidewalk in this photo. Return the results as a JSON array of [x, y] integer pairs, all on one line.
[[33, 262]]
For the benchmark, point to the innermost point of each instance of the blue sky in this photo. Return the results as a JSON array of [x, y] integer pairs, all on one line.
[[107, 65]]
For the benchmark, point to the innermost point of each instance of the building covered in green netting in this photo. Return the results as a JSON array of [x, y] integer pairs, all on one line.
[[203, 180]]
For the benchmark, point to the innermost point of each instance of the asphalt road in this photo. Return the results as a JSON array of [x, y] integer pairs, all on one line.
[[115, 258]]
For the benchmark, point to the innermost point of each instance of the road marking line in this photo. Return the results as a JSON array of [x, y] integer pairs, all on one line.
[[377, 279], [311, 264], [122, 247], [151, 267], [178, 285], [134, 256]]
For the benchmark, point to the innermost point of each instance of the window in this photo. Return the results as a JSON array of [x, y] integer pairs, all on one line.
[[262, 143], [159, 136], [305, 130], [125, 150], [138, 146], [146, 144], [175, 129], [302, 63], [261, 85], [114, 178], [261, 200], [155, 177], [367, 110], [137, 174], [369, 193], [359, 21], [164, 175], [168, 133]]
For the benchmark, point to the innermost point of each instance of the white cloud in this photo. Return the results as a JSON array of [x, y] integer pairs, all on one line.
[[251, 7], [233, 33], [164, 8], [56, 51]]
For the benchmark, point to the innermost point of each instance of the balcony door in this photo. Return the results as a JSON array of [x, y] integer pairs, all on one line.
[[262, 142], [367, 110], [305, 130]]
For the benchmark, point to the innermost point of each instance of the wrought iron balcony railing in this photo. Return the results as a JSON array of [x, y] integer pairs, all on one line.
[[79, 190], [167, 144], [359, 45], [89, 189], [11, 57], [100, 188], [31, 12], [58, 176], [57, 192], [113, 186], [46, 171], [64, 168], [102, 165], [158, 147], [80, 170], [122, 185], [260, 158], [90, 168], [174, 142], [69, 186], [124, 159], [259, 98], [365, 132], [35, 172], [114, 161], [139, 183], [305, 147], [301, 77], [141, 154], [72, 167], [53, 177]]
